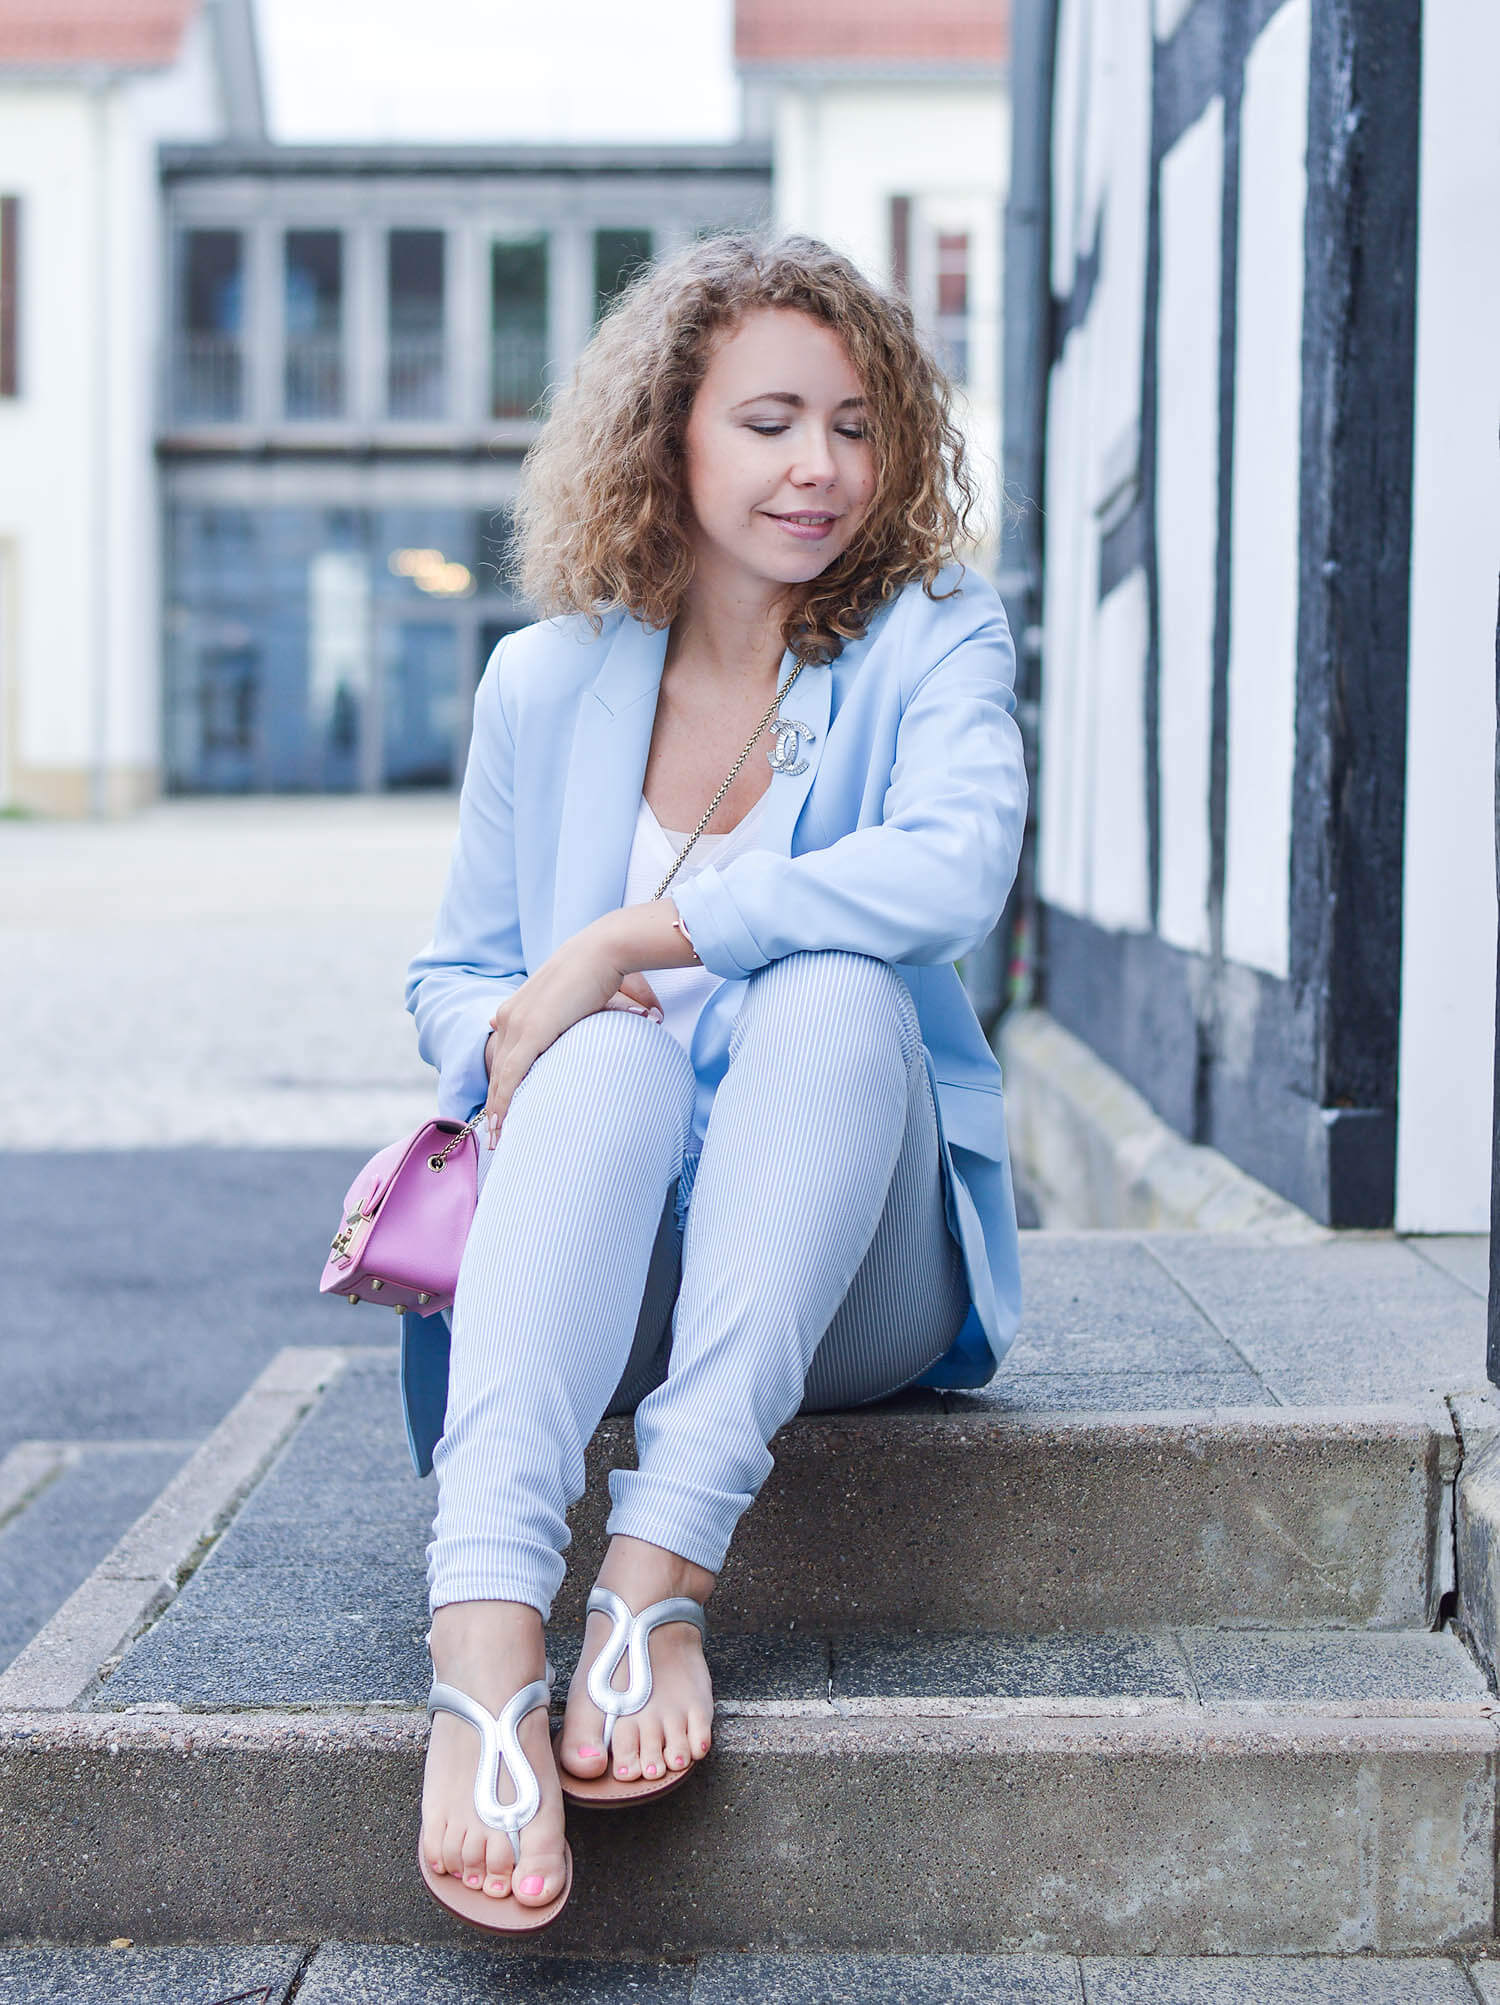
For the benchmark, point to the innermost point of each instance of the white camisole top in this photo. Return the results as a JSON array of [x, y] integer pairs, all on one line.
[[682, 991]]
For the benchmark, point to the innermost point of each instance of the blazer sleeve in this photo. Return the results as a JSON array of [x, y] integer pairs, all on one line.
[[929, 881], [474, 958]]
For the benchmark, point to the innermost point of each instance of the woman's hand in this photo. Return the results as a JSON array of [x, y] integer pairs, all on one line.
[[581, 976]]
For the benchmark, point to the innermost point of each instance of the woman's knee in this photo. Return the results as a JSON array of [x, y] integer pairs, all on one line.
[[832, 989], [614, 1063]]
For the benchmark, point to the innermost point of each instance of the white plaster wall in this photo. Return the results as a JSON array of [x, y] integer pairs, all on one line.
[[46, 434], [1068, 112], [181, 103], [1448, 972], [1119, 881], [1092, 786], [1264, 541], [1122, 106], [1187, 515], [1068, 595]]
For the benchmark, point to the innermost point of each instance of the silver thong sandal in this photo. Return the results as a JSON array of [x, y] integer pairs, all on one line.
[[498, 1743], [630, 1633]]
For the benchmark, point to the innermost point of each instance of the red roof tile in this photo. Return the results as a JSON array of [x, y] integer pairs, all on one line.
[[127, 34], [887, 33]]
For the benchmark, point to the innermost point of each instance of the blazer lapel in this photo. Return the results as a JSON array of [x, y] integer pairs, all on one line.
[[607, 768], [807, 704]]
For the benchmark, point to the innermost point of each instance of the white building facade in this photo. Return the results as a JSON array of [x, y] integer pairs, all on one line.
[[85, 100], [1270, 533]]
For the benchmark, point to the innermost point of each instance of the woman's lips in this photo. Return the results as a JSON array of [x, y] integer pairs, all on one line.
[[807, 525]]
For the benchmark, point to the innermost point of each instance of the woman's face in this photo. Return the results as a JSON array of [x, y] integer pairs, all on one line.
[[778, 467]]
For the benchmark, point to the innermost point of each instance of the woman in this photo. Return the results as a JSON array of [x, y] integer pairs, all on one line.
[[774, 1174]]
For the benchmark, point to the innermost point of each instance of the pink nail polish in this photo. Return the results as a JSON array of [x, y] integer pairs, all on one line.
[[655, 1015], [590, 1753], [532, 1884], [651, 1768], [637, 1009]]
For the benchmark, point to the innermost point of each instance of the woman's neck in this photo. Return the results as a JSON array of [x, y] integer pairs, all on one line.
[[730, 630]]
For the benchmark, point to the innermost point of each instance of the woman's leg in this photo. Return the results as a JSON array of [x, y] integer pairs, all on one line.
[[816, 1237], [548, 1299], [548, 1303]]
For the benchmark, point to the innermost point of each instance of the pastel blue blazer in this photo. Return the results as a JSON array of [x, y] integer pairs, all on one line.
[[894, 832]]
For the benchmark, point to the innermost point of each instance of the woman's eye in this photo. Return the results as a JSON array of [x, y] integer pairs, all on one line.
[[854, 432], [768, 431]]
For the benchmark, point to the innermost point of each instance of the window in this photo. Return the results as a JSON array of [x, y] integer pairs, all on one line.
[[618, 256], [313, 294], [953, 303], [518, 326], [416, 365], [211, 312], [10, 304]]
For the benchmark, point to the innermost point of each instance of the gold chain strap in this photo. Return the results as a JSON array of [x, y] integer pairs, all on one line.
[[729, 780]]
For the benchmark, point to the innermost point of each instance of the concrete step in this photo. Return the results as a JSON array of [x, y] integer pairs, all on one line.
[[346, 1973], [949, 1516], [1111, 1795], [885, 1778]]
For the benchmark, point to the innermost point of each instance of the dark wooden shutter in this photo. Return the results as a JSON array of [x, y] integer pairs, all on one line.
[[10, 309]]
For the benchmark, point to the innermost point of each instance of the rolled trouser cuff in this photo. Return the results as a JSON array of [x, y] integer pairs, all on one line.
[[481, 1569]]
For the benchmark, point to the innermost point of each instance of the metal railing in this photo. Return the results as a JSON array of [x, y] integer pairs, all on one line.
[[208, 379], [417, 376], [518, 364], [313, 376]]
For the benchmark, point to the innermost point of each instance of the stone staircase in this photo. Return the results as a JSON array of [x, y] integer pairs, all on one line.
[[1156, 1647]]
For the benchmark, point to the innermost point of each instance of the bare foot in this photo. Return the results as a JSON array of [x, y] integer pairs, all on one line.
[[490, 1649], [675, 1726]]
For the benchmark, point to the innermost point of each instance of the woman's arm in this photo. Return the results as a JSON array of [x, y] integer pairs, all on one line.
[[474, 959], [925, 885]]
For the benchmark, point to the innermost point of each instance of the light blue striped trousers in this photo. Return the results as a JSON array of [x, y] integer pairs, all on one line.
[[802, 1258]]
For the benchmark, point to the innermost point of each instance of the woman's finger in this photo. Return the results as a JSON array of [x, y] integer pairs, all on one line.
[[638, 989]]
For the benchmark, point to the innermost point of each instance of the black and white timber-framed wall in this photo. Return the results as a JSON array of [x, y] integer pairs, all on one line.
[[1263, 437]]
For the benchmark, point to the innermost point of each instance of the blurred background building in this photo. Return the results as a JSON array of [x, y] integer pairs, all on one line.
[[1254, 282], [263, 405], [87, 94], [360, 341]]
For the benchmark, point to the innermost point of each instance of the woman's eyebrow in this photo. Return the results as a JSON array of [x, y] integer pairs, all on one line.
[[791, 397]]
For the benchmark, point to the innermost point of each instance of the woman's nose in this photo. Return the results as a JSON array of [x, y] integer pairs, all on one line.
[[814, 465]]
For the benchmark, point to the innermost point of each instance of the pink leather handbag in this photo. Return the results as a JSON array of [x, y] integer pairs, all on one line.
[[406, 1218]]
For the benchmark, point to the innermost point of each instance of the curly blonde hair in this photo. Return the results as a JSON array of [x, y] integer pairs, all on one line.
[[601, 519]]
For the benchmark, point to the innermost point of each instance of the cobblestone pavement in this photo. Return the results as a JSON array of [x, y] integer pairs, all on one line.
[[356, 1974], [216, 972]]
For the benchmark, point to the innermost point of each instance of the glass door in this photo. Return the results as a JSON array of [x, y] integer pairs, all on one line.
[[420, 703]]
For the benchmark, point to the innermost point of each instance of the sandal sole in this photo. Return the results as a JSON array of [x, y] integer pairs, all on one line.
[[495, 1916], [607, 1792]]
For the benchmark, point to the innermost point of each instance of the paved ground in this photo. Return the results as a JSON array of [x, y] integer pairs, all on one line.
[[216, 971], [354, 1974]]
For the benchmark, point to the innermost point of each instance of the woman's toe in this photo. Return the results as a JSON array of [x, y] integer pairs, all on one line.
[[583, 1754], [453, 1851], [498, 1861], [653, 1756], [539, 1877], [625, 1751], [700, 1731], [474, 1850], [674, 1742]]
